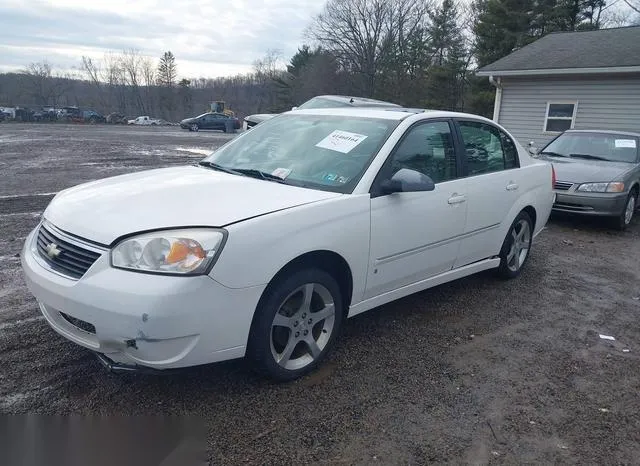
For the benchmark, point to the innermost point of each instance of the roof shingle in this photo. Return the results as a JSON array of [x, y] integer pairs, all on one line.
[[603, 48]]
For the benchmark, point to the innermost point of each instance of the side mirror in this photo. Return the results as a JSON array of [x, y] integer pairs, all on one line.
[[293, 108], [533, 150], [406, 180]]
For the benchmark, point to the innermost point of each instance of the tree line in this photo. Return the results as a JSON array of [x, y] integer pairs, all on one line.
[[418, 53]]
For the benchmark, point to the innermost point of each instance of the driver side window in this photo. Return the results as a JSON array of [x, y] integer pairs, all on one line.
[[428, 149]]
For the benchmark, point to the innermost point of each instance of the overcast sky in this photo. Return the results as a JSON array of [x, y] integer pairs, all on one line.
[[208, 37]]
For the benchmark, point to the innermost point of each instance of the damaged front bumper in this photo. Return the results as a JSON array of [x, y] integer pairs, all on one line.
[[121, 368], [135, 319]]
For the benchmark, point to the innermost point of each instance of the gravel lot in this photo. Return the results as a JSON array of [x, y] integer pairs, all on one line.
[[476, 371]]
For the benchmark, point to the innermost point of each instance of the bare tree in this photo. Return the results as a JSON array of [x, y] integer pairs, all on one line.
[[367, 35]]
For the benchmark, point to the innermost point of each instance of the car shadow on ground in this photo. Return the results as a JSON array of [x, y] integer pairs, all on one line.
[[592, 223]]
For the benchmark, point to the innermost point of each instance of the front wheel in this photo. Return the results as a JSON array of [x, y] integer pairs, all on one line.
[[296, 325], [194, 127], [516, 247], [622, 221]]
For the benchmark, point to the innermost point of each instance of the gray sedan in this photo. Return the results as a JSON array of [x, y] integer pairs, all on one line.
[[597, 173]]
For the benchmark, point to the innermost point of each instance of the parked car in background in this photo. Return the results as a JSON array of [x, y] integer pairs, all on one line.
[[211, 120], [271, 242], [598, 173], [321, 101], [116, 118], [144, 120]]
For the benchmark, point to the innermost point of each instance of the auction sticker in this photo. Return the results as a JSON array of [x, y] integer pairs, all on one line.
[[626, 143], [341, 141], [281, 172]]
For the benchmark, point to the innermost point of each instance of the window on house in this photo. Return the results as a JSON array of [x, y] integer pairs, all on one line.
[[560, 116]]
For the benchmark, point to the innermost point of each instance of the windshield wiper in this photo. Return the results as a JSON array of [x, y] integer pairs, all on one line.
[[588, 156], [553, 154], [218, 167], [259, 174]]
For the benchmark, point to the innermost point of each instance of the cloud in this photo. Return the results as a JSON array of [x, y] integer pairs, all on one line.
[[208, 37]]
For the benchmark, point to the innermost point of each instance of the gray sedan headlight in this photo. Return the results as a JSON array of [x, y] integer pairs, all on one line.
[[614, 187], [184, 252]]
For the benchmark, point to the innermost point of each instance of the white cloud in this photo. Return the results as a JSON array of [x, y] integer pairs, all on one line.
[[208, 37]]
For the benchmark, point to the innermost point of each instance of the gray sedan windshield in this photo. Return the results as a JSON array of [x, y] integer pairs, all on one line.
[[318, 151], [595, 146]]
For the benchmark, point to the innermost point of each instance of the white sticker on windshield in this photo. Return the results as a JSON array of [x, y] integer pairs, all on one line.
[[341, 141], [281, 172], [626, 143]]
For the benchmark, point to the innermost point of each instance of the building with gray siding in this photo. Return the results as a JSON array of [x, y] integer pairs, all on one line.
[[581, 80]]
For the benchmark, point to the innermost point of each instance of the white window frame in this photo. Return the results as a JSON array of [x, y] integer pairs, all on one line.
[[560, 102]]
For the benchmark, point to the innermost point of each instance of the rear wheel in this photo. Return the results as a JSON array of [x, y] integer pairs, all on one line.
[[516, 246], [296, 324], [622, 221]]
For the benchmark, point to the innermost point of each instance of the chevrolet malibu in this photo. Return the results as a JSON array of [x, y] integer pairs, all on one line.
[[264, 248]]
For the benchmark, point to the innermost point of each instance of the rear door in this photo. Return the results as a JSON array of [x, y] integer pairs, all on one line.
[[493, 186]]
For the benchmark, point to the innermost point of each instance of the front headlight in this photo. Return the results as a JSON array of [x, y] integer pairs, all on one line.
[[184, 252], [613, 187]]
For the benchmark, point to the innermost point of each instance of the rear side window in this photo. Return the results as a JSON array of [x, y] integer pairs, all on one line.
[[510, 151], [487, 149]]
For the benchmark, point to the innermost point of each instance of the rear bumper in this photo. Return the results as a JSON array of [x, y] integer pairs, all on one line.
[[595, 204]]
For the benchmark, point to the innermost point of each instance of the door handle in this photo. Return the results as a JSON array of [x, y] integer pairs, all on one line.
[[457, 198], [512, 186]]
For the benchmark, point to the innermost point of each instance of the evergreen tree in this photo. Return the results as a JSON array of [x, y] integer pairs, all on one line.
[[167, 70]]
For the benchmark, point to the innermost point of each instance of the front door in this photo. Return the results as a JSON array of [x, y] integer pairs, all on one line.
[[415, 235], [494, 186]]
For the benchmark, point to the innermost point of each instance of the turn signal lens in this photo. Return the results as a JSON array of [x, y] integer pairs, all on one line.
[[616, 187]]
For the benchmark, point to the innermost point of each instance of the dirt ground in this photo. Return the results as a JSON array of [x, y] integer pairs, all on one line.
[[479, 371]]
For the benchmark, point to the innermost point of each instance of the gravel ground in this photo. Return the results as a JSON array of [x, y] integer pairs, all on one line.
[[475, 371]]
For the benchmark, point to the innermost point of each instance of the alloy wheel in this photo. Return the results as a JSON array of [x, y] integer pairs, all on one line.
[[302, 326], [520, 244], [631, 207]]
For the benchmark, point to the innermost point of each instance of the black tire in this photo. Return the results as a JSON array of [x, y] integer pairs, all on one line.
[[259, 348], [194, 127], [505, 269], [620, 222]]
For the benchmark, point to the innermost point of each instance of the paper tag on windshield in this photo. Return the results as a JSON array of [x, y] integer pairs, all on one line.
[[341, 141], [626, 143], [281, 172]]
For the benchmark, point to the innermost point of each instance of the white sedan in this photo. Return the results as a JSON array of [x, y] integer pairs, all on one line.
[[262, 249]]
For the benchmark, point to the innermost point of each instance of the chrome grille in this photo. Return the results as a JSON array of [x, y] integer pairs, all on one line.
[[563, 185], [71, 260]]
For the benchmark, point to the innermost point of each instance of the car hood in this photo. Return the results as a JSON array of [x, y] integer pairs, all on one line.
[[586, 171], [104, 210], [259, 117]]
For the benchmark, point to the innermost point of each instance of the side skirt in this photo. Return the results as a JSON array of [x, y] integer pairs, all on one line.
[[423, 285]]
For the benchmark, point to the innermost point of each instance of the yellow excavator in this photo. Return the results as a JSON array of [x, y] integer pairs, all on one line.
[[219, 106]]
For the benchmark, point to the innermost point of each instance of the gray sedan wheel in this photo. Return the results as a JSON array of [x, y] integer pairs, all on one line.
[[194, 127], [625, 217]]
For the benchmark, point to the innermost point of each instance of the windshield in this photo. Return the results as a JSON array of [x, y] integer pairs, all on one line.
[[594, 146], [316, 151], [319, 102]]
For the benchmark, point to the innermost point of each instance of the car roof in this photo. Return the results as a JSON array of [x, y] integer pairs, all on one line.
[[356, 99], [399, 113], [604, 131]]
